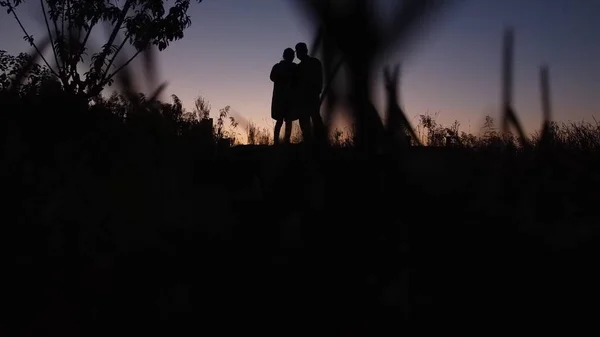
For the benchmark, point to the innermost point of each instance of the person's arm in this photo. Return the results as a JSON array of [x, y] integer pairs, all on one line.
[[316, 76], [319, 76], [274, 73]]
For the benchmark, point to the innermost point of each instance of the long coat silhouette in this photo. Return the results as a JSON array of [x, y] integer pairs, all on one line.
[[283, 76]]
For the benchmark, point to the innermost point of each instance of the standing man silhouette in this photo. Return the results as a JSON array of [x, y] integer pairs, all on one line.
[[310, 85], [282, 105]]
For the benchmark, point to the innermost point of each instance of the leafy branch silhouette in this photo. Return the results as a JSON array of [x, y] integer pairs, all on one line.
[[69, 25]]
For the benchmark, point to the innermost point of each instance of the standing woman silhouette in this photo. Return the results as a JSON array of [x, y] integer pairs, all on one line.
[[283, 109]]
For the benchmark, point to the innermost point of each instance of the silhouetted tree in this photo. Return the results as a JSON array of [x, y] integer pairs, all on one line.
[[189, 116], [220, 132], [489, 129], [252, 134], [174, 111], [468, 140], [435, 132], [201, 108], [491, 136], [11, 65], [258, 136], [69, 24]]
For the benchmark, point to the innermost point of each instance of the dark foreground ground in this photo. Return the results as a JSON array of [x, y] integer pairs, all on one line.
[[264, 241]]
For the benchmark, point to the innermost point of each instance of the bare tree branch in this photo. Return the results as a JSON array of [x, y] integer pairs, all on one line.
[[57, 35], [87, 36], [114, 33], [30, 40], [112, 60], [123, 66], [50, 37]]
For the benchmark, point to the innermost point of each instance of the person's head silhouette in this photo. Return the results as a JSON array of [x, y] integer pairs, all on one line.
[[288, 54], [301, 51]]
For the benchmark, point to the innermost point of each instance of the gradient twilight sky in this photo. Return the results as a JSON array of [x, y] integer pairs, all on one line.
[[227, 54]]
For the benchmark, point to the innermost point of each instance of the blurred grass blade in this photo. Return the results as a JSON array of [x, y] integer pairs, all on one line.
[[396, 122], [546, 104], [157, 92], [509, 116], [411, 16], [150, 65]]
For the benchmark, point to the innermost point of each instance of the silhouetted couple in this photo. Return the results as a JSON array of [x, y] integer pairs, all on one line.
[[297, 94]]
